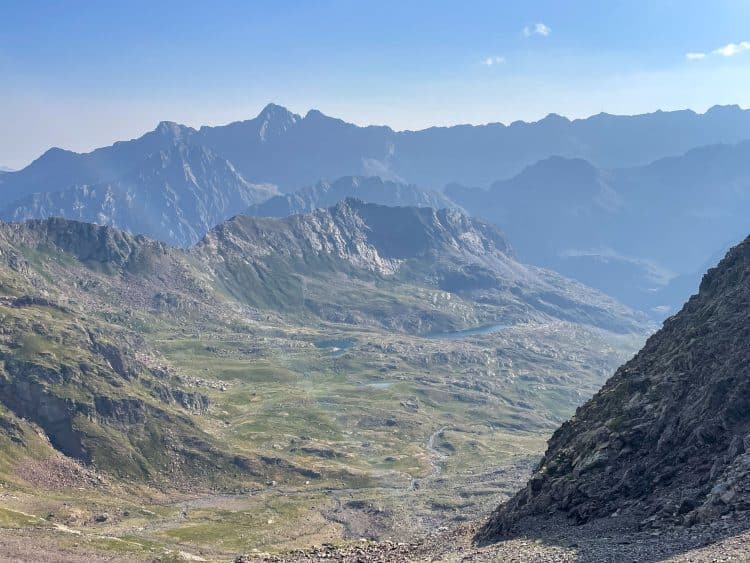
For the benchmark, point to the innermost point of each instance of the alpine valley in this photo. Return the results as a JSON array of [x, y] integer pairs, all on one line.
[[238, 342]]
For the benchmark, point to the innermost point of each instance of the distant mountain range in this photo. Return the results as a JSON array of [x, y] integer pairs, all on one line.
[[175, 194], [282, 148], [367, 189], [636, 206], [643, 234]]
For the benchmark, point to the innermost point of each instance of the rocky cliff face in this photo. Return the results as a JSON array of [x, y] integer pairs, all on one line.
[[292, 263], [176, 195], [667, 439]]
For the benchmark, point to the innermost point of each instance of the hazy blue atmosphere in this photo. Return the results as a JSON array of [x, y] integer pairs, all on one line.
[[80, 75], [375, 281]]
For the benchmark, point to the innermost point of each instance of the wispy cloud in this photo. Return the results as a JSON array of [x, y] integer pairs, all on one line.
[[537, 29], [728, 50], [732, 49], [490, 61]]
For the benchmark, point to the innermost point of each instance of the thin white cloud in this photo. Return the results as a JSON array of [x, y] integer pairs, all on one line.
[[732, 49], [695, 56], [491, 61], [537, 29]]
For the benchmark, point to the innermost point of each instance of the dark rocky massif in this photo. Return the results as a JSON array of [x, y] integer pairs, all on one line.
[[667, 439]]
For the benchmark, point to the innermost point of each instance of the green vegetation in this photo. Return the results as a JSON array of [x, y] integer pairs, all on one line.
[[192, 422]]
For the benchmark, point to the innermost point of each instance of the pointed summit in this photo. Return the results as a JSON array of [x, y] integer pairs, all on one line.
[[172, 130], [274, 111], [274, 120]]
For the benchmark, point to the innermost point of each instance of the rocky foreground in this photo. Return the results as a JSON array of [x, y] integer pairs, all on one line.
[[667, 439], [726, 540]]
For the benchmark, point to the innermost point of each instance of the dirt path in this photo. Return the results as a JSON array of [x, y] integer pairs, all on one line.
[[438, 457]]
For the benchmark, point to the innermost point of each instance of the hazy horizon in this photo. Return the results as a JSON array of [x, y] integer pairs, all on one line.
[[80, 80], [4, 166]]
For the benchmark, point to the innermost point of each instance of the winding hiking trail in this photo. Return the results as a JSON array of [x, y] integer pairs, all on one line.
[[438, 457]]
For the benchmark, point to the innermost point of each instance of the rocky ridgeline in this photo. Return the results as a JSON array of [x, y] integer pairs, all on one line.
[[371, 189], [667, 439]]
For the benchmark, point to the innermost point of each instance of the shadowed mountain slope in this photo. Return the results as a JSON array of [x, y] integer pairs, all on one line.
[[638, 233], [666, 439], [176, 195]]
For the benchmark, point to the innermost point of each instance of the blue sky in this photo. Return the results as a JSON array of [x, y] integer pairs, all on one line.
[[82, 74]]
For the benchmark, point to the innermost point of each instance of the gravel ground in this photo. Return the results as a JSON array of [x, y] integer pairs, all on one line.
[[550, 542]]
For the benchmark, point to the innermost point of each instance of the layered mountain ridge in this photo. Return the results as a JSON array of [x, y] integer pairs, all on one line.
[[589, 178], [643, 234], [442, 249], [289, 151], [371, 189]]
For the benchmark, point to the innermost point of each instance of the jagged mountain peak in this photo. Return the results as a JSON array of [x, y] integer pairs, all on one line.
[[175, 194], [315, 117], [275, 120], [273, 110], [315, 114], [173, 130]]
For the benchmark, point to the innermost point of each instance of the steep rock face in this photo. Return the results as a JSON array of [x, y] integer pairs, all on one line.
[[266, 261], [59, 169], [667, 439], [101, 248], [366, 236], [87, 394], [176, 195]]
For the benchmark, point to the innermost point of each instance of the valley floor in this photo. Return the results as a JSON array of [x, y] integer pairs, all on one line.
[[405, 436], [549, 542]]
